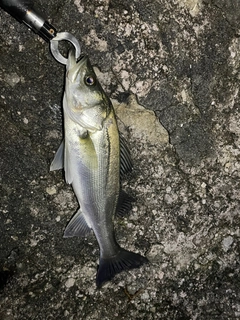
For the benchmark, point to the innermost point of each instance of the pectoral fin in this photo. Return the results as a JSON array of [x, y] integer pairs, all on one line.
[[68, 164], [77, 227], [57, 162]]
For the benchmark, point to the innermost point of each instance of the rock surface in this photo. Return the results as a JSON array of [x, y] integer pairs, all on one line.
[[171, 69]]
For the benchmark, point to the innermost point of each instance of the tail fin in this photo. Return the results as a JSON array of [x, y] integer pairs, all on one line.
[[124, 260]]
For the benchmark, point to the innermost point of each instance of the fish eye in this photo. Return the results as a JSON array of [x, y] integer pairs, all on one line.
[[90, 80]]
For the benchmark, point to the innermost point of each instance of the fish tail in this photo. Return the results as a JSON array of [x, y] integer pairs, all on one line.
[[124, 260]]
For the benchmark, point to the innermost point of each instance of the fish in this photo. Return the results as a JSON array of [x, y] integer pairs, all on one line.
[[95, 157]]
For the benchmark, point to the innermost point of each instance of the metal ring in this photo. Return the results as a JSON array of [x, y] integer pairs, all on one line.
[[54, 46]]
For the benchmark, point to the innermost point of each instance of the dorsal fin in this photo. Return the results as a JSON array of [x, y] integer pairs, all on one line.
[[126, 164], [124, 204]]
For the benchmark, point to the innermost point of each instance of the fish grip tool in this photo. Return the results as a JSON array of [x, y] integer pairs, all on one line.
[[24, 12]]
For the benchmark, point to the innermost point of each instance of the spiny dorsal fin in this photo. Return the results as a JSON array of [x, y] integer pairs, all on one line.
[[126, 164]]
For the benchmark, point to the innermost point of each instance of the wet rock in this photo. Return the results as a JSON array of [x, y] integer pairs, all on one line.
[[142, 122]]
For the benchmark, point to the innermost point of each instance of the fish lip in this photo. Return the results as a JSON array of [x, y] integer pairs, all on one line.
[[73, 63], [82, 58], [74, 66]]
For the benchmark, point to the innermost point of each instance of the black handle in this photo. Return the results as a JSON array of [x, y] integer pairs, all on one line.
[[23, 11], [16, 8]]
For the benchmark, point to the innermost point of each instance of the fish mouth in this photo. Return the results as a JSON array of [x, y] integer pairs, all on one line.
[[72, 62], [74, 66], [82, 57]]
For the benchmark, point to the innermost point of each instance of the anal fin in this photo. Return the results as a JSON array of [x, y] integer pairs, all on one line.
[[77, 227]]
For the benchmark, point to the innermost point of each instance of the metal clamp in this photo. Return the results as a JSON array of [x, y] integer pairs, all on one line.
[[67, 37], [23, 11]]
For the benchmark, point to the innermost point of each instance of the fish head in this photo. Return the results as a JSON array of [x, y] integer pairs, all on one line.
[[85, 101]]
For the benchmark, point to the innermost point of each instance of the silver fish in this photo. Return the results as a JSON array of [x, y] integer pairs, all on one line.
[[94, 156]]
